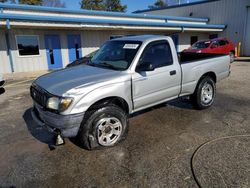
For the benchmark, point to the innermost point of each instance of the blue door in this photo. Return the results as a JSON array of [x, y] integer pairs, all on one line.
[[74, 46], [53, 51]]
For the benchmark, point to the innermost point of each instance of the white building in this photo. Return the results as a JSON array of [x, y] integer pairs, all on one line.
[[36, 38], [235, 14]]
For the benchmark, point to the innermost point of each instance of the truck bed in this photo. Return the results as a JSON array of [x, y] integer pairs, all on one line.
[[185, 57], [195, 65]]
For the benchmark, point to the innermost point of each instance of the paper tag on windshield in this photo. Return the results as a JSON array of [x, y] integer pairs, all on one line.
[[130, 46]]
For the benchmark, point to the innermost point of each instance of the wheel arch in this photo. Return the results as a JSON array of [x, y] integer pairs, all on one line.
[[209, 74], [120, 102], [195, 97]]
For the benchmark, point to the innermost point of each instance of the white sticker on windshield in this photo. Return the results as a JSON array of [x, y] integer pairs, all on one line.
[[130, 46]]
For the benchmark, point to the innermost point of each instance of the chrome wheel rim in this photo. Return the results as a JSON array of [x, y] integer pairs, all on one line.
[[207, 93], [109, 131]]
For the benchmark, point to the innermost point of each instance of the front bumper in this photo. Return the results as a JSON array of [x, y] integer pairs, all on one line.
[[64, 125]]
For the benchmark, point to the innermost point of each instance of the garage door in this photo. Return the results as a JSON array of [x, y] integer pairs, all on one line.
[[247, 35]]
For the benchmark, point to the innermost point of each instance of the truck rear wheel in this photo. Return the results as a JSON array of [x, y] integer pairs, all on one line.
[[204, 94], [231, 54], [104, 126]]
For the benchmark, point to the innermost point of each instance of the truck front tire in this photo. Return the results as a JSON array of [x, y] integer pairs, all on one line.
[[103, 126], [204, 94]]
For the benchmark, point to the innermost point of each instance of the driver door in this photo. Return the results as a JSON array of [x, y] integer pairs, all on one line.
[[158, 85]]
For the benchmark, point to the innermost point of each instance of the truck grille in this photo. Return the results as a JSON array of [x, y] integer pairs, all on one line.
[[38, 95]]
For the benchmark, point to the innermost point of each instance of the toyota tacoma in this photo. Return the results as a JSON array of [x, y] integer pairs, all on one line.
[[93, 101]]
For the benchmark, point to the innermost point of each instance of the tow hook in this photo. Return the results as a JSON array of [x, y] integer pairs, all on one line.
[[59, 140]]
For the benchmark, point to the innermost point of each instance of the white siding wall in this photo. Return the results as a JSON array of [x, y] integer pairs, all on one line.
[[28, 63], [4, 59], [90, 41], [233, 13]]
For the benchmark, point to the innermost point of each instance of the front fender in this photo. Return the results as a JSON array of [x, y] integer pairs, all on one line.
[[121, 89]]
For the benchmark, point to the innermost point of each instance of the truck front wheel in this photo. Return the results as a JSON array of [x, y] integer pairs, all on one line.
[[204, 94], [103, 126]]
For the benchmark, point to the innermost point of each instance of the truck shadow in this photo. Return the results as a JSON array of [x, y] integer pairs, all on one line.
[[41, 134], [48, 138], [243, 60], [36, 130], [182, 103], [2, 90]]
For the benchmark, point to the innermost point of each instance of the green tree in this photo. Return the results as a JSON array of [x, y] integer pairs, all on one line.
[[158, 4], [92, 4], [107, 5], [31, 2], [115, 5], [53, 3]]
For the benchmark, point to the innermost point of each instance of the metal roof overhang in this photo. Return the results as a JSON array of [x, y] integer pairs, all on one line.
[[100, 13], [54, 21]]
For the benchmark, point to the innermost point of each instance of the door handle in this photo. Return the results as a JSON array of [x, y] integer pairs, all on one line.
[[173, 72]]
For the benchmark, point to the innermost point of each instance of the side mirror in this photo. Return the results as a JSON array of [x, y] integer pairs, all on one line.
[[145, 66]]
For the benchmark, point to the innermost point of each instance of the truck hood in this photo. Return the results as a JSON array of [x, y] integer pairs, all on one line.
[[60, 82]]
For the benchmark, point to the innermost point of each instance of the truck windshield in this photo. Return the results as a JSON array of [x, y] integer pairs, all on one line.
[[117, 55], [201, 45]]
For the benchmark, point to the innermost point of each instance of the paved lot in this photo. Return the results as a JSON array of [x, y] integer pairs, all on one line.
[[169, 146]]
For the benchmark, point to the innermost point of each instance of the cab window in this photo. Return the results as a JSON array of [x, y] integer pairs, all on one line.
[[158, 54]]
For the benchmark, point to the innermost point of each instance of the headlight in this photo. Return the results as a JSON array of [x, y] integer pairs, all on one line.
[[60, 104], [65, 103]]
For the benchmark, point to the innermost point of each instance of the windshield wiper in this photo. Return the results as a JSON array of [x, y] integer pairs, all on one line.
[[90, 63], [104, 64]]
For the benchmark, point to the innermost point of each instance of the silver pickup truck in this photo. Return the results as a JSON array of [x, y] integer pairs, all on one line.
[[93, 101]]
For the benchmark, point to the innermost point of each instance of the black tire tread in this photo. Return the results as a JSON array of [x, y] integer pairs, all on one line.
[[86, 126], [195, 97]]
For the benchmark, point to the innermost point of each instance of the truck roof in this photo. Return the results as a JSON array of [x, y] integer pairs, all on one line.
[[141, 38]]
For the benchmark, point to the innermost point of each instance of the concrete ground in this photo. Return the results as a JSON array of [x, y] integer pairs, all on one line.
[[171, 145]]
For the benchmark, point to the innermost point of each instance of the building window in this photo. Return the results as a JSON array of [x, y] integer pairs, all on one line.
[[27, 45], [193, 40], [213, 36]]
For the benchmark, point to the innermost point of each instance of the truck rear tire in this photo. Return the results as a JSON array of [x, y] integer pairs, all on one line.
[[231, 54], [103, 126], [204, 94]]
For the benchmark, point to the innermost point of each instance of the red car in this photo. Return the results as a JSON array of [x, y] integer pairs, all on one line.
[[214, 46]]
